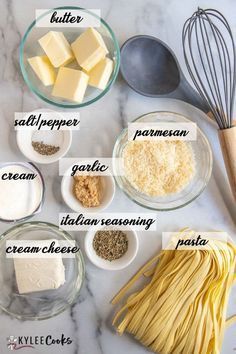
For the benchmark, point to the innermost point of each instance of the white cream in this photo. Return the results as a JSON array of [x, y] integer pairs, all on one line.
[[18, 197]]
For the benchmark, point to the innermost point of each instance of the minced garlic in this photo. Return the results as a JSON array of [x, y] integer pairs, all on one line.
[[88, 190], [158, 168]]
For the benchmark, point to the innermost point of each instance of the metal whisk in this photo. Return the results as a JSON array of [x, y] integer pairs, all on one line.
[[210, 56]]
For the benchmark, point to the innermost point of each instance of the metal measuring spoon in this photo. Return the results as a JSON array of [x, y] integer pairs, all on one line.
[[151, 68]]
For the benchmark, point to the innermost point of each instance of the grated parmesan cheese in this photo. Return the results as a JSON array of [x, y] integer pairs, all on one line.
[[159, 168]]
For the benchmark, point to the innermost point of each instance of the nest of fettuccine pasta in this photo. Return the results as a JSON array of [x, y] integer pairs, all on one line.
[[183, 307]]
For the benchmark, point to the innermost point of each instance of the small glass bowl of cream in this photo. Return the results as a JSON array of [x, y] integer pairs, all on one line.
[[22, 191]]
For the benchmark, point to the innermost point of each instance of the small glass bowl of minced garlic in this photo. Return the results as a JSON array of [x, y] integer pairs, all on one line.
[[162, 174], [110, 248]]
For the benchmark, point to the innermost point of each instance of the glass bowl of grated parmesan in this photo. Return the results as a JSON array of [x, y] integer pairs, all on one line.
[[159, 170]]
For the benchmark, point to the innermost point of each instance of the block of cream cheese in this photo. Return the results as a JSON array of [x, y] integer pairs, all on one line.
[[101, 73], [43, 69], [38, 274], [70, 84], [89, 48], [57, 48]]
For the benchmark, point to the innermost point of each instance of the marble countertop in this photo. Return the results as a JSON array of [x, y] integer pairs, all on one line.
[[88, 322]]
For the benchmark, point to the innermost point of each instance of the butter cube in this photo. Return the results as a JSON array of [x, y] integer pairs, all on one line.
[[57, 48], [38, 274], [89, 48], [70, 84], [43, 69], [100, 74]]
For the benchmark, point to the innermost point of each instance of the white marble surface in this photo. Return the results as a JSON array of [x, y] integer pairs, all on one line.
[[88, 322]]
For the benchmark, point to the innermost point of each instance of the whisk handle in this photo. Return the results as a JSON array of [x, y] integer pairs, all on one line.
[[211, 116], [227, 139]]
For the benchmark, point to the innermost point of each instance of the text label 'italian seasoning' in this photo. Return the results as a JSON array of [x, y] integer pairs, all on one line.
[[68, 18], [118, 221]]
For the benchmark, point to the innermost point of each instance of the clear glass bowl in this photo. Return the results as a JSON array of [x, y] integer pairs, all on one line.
[[34, 169], [30, 47], [44, 304], [203, 159]]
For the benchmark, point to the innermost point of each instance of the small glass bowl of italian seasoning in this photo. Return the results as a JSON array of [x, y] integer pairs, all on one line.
[[111, 249], [44, 146]]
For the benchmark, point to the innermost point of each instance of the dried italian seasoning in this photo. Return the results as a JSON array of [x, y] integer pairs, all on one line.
[[45, 149], [110, 244]]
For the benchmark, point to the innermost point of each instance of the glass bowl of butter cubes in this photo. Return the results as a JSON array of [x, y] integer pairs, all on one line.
[[69, 67], [34, 285]]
